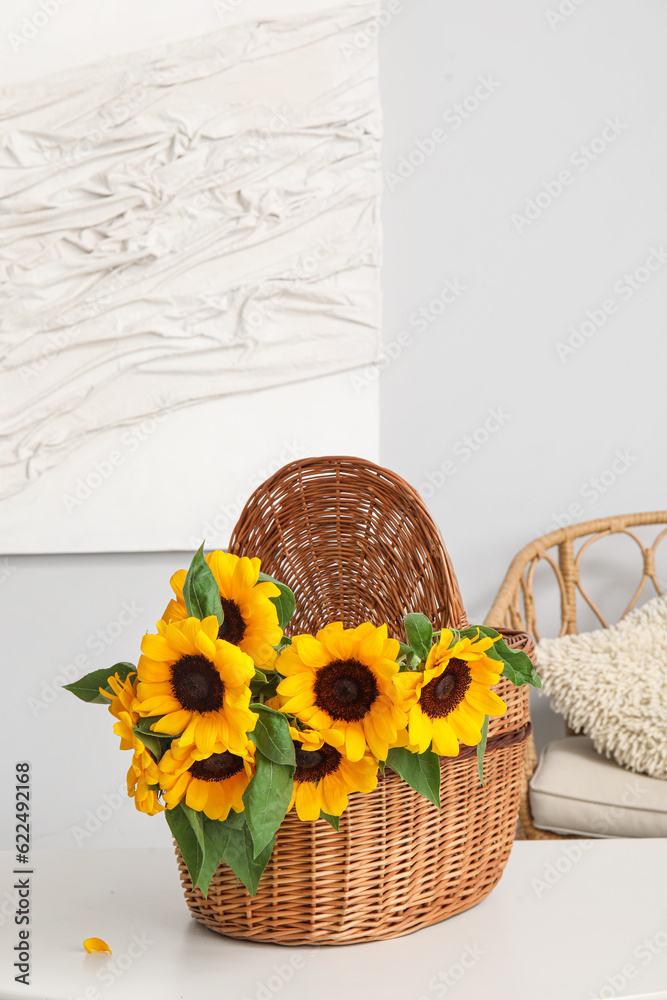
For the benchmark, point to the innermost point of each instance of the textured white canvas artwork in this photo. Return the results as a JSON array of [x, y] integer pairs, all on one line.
[[183, 224]]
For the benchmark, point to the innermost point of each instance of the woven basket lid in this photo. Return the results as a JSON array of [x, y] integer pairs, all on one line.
[[354, 542]]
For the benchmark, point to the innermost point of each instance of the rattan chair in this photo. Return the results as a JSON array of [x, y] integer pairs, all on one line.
[[515, 606]]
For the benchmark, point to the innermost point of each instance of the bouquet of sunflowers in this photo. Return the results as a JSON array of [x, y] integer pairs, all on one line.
[[232, 723]]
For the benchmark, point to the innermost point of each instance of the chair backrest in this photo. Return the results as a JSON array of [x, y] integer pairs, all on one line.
[[353, 541], [514, 605]]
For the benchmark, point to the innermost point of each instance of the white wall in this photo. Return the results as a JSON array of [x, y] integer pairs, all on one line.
[[493, 348], [451, 207]]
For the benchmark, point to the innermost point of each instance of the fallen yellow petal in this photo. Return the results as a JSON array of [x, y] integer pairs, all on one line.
[[96, 944]]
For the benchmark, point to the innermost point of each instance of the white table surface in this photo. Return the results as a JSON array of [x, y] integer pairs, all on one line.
[[555, 928]]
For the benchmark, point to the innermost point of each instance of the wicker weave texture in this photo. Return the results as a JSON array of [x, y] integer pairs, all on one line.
[[355, 543], [396, 865]]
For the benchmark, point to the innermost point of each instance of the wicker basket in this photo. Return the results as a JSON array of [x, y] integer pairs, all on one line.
[[356, 543]]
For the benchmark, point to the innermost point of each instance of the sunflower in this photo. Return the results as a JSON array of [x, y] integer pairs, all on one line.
[[251, 618], [454, 695], [198, 683], [123, 707], [344, 679], [324, 776], [142, 779], [211, 783]]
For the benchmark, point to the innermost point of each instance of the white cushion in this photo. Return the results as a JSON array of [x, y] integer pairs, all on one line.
[[612, 685], [575, 790]]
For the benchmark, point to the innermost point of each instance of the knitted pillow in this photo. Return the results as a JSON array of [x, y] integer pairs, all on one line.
[[612, 685]]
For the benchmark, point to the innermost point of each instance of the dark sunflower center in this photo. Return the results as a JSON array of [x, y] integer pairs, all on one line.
[[197, 684], [233, 627], [217, 767], [345, 689], [441, 696], [311, 765]]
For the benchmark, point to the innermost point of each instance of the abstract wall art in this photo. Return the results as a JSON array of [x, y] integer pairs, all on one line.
[[183, 224]]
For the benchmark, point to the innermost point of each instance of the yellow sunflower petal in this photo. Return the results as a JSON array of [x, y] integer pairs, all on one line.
[[378, 746], [174, 795], [153, 670], [355, 741], [157, 648], [159, 704], [445, 742], [333, 795], [420, 729], [296, 684], [197, 794], [311, 652], [245, 574], [486, 702], [173, 723], [307, 801], [96, 944], [464, 730]]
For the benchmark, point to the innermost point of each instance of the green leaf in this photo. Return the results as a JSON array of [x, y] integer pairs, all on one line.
[[489, 633], [331, 820], [283, 644], [517, 665], [419, 632], [267, 800], [200, 591], [144, 727], [481, 747], [239, 854], [88, 688], [405, 650], [285, 602], [271, 735], [196, 821], [420, 770], [186, 838], [267, 689], [217, 835], [150, 741]]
